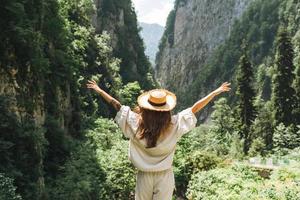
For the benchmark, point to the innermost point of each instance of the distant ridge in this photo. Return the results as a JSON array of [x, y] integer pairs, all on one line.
[[151, 34]]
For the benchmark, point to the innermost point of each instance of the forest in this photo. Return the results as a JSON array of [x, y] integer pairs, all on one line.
[[58, 140]]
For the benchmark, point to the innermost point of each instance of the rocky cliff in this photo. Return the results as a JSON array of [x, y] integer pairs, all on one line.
[[18, 75], [119, 19], [199, 26], [49, 50]]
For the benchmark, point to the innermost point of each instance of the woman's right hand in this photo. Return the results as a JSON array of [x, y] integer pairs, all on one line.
[[93, 85]]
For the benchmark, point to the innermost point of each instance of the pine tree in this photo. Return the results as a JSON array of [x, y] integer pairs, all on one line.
[[297, 90], [262, 127], [297, 78], [283, 94], [246, 94]]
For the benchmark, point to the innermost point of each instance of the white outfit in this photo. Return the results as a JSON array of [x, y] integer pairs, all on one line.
[[158, 159]]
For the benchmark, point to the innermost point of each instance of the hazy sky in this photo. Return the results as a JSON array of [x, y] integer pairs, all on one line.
[[153, 11]]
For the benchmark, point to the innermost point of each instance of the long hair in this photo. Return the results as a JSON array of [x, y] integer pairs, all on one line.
[[152, 125]]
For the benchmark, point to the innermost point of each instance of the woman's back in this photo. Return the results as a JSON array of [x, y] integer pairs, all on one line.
[[150, 151], [160, 157]]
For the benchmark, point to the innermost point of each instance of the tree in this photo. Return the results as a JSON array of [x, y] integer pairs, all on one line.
[[262, 127], [130, 93], [223, 126], [285, 138], [246, 94], [283, 94], [297, 90], [7, 189], [297, 78]]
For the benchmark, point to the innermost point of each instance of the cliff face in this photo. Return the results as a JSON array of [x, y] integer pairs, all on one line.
[[199, 27], [26, 90], [119, 19], [48, 53]]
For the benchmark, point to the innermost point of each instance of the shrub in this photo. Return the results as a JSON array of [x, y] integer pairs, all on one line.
[[7, 189], [285, 138], [189, 160], [200, 161], [98, 168], [241, 182]]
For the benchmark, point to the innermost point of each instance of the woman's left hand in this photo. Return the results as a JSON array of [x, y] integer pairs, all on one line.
[[93, 85], [223, 88]]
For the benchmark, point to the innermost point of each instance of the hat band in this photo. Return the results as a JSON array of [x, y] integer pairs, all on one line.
[[157, 104]]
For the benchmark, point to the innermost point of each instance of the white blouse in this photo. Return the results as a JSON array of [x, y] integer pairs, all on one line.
[[160, 157]]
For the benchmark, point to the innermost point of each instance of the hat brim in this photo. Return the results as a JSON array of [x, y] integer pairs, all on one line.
[[170, 101]]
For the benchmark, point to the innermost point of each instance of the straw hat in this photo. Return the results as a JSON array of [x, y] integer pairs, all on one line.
[[158, 100]]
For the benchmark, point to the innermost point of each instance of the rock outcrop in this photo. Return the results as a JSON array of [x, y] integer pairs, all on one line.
[[199, 27], [119, 19]]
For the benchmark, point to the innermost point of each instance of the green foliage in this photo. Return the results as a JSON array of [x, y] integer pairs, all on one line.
[[111, 153], [120, 179], [245, 104], [255, 28], [193, 154], [296, 82], [128, 46], [257, 147], [81, 176], [241, 182], [53, 49], [7, 189], [59, 146], [262, 128], [22, 151], [223, 127], [104, 69], [283, 94], [199, 161], [168, 35], [130, 93], [237, 145], [263, 80], [98, 168], [285, 138], [289, 14], [104, 134], [223, 183], [293, 154]]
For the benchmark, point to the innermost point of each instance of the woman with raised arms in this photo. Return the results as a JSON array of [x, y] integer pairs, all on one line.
[[153, 133]]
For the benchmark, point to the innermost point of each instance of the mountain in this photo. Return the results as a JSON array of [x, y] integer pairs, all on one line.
[[119, 19], [202, 41], [49, 51], [151, 34]]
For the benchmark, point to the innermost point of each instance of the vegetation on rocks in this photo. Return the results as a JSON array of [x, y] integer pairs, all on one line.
[[58, 140]]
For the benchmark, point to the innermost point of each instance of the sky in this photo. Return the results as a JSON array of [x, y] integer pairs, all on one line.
[[153, 11]]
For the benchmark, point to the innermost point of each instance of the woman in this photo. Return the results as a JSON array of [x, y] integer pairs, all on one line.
[[153, 134]]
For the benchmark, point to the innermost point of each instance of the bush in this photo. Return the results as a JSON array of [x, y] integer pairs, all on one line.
[[129, 93], [242, 182], [190, 157], [285, 138], [201, 161], [7, 189], [98, 168], [81, 177], [120, 174]]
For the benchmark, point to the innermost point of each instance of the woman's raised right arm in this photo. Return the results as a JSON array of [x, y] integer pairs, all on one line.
[[109, 99]]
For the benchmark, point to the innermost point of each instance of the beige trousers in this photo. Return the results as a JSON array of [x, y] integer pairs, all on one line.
[[154, 185]]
